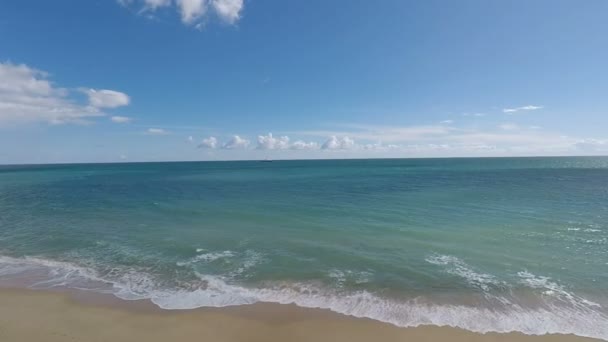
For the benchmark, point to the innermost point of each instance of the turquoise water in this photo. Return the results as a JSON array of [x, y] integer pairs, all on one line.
[[506, 244]]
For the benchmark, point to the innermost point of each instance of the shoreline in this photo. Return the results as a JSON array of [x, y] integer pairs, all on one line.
[[63, 315]]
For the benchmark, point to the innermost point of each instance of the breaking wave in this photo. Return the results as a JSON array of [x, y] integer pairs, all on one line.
[[562, 312]]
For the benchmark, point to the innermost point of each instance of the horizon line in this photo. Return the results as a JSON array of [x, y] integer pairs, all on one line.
[[296, 159]]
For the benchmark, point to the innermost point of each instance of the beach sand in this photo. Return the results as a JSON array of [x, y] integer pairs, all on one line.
[[28, 316]]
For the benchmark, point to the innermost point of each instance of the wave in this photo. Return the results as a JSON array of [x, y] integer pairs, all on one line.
[[207, 257], [240, 262], [459, 268], [341, 277], [578, 316], [553, 289]]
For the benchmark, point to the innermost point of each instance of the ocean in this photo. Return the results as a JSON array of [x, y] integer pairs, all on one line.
[[484, 244]]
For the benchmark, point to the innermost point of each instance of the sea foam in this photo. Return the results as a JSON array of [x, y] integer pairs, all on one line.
[[206, 257], [457, 267], [578, 316]]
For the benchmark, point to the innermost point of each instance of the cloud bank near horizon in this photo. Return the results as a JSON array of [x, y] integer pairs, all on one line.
[[504, 139], [29, 96]]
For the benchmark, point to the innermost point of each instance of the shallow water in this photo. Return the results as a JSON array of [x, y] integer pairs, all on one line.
[[505, 244]]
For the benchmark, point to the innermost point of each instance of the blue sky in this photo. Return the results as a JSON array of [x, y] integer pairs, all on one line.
[[148, 80]]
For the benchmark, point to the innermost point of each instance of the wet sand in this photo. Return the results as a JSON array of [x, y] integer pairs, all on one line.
[[28, 316]]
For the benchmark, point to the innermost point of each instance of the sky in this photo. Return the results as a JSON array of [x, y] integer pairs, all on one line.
[[168, 80]]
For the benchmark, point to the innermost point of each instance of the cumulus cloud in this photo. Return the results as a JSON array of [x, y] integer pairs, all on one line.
[[27, 95], [338, 143], [376, 146], [193, 12], [120, 119], [302, 145], [228, 10], [236, 142], [156, 131], [210, 142], [105, 98], [268, 142], [519, 109]]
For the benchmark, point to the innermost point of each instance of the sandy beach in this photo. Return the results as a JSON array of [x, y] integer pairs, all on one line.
[[29, 316]]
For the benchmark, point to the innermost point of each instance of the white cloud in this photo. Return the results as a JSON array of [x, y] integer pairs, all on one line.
[[446, 140], [443, 140], [156, 131], [193, 12], [268, 142], [154, 4], [379, 146], [228, 10], [376, 146], [447, 122], [120, 119], [236, 142], [210, 142], [474, 114], [190, 139], [338, 143], [27, 95], [302, 145], [519, 109], [105, 98]]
